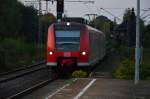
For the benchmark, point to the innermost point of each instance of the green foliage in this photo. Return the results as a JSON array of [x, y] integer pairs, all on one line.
[[29, 27], [79, 74], [146, 56], [126, 31], [130, 19], [19, 35], [17, 45], [103, 23], [10, 18], [17, 20], [127, 14], [125, 52], [145, 71], [17, 52], [125, 70], [146, 36], [46, 20]]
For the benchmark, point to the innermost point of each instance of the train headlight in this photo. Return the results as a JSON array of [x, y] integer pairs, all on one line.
[[83, 53], [50, 53], [68, 23]]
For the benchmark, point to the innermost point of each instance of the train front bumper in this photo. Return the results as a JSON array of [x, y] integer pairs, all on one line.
[[78, 64]]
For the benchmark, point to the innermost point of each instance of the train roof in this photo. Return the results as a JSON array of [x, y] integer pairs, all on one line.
[[75, 19], [74, 26], [94, 29], [68, 26]]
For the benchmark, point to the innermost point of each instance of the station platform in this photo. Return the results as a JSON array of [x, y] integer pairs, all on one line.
[[90, 88]]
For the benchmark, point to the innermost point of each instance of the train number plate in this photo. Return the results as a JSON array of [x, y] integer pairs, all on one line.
[[67, 54]]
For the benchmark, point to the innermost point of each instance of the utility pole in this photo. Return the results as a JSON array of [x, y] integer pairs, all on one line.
[[137, 50]]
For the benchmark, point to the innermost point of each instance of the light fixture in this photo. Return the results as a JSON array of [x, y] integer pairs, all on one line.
[[83, 53], [51, 53], [68, 23]]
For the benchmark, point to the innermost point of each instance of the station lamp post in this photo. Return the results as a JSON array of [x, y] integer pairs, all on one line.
[[137, 49]]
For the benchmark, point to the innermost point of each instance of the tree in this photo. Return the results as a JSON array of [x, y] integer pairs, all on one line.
[[126, 31], [147, 36], [103, 23], [46, 20], [29, 28], [10, 18], [17, 20], [130, 19]]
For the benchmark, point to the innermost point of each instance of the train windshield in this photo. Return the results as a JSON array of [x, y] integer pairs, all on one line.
[[67, 41]]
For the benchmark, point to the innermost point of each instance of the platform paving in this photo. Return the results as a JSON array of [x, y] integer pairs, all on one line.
[[104, 89]]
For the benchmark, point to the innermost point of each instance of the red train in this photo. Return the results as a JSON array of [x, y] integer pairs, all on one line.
[[72, 45]]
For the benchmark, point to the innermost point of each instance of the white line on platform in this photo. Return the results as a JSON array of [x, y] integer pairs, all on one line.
[[84, 90], [58, 90]]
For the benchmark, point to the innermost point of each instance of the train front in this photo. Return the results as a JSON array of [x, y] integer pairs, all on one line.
[[67, 46]]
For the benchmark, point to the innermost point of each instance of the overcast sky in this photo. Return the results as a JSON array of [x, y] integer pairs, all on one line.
[[73, 9]]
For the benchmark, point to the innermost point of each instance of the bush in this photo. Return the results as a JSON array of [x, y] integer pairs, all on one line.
[[145, 72], [125, 70], [79, 74], [17, 52]]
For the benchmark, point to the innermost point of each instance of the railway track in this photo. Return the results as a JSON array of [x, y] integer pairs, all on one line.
[[22, 68], [4, 77], [40, 77], [32, 88], [22, 81]]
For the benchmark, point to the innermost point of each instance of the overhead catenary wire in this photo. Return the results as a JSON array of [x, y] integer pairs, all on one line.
[[145, 11], [110, 13], [82, 1]]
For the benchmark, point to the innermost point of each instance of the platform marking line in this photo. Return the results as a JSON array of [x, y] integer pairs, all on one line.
[[84, 90], [58, 90]]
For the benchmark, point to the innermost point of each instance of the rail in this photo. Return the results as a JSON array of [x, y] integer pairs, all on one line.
[[21, 72]]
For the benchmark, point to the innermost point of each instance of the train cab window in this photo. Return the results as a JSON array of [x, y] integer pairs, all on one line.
[[67, 41]]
